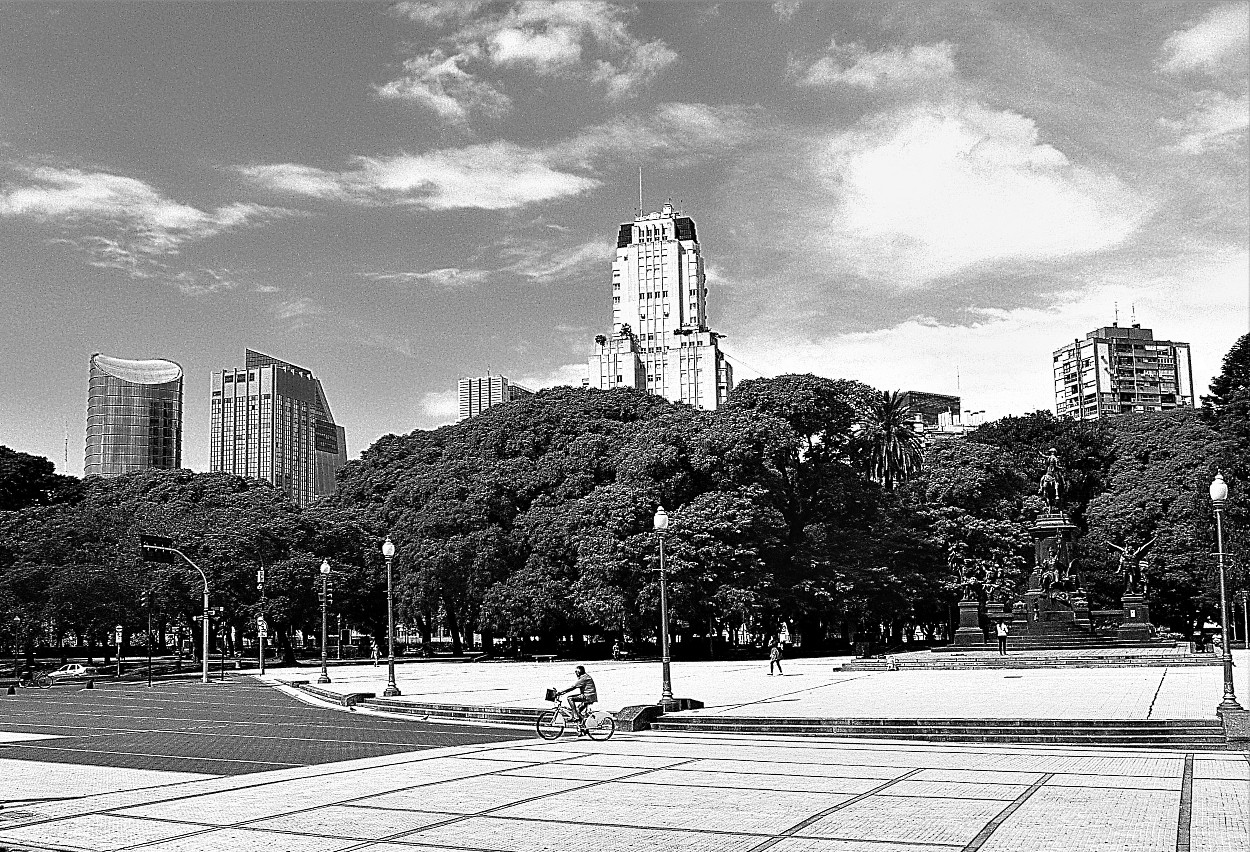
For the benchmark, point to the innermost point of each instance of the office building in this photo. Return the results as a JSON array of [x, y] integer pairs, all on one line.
[[1118, 370], [271, 421], [134, 416], [930, 409], [660, 339], [480, 393]]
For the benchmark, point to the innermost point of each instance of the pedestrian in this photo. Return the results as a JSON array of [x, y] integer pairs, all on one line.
[[374, 653], [616, 650], [1003, 629], [774, 657]]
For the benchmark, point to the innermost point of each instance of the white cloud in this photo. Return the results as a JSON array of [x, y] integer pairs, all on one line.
[[894, 67], [921, 193], [1215, 121], [438, 14], [579, 40], [438, 408], [451, 277], [504, 175], [1215, 44], [567, 374], [1201, 300], [295, 309]]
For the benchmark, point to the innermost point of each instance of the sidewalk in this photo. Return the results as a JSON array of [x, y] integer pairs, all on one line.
[[816, 688]]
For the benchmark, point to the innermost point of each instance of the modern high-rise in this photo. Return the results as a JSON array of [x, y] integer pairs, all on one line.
[[134, 416], [1118, 370], [271, 421], [660, 339], [479, 393]]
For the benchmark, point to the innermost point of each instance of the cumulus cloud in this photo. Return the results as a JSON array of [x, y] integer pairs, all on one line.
[[438, 408], [1216, 43], [1215, 121], [923, 192], [439, 14], [504, 175], [578, 40], [894, 67]]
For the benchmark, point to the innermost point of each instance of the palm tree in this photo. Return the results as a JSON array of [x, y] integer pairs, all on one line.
[[886, 449]]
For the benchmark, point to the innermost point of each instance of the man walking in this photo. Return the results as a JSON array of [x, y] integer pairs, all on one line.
[[1003, 629]]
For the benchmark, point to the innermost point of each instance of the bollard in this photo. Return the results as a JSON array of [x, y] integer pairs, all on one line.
[[90, 683], [11, 691]]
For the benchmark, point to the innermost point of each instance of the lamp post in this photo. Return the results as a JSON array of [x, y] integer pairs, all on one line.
[[325, 599], [388, 553], [666, 689], [1219, 496], [1245, 631], [17, 642]]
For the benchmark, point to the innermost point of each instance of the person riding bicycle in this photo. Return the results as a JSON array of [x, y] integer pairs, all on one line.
[[586, 694]]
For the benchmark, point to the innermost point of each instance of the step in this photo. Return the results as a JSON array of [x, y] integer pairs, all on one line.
[[496, 715]]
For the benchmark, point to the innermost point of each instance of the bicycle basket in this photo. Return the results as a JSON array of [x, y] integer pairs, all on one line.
[[550, 695]]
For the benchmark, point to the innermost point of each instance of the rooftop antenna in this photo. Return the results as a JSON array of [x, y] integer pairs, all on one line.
[[1117, 314], [1133, 315], [956, 378], [65, 433], [640, 208]]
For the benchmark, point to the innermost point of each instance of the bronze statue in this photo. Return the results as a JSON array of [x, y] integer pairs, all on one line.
[[1051, 487], [970, 582], [1133, 567]]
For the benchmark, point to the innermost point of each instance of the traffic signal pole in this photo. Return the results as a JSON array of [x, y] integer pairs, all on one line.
[[154, 548]]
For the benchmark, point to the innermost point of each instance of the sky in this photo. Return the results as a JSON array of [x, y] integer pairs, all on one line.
[[928, 196]]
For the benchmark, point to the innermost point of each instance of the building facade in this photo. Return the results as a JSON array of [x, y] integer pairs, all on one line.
[[479, 393], [660, 340], [1118, 370], [271, 421], [134, 416]]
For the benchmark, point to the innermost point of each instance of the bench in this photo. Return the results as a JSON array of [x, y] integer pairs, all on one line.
[[545, 658]]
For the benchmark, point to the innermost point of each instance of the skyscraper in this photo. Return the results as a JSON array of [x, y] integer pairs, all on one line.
[[271, 421], [479, 393], [660, 339], [134, 416], [1118, 370]]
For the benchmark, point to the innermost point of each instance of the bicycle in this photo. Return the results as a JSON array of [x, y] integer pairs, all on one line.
[[598, 724], [28, 681]]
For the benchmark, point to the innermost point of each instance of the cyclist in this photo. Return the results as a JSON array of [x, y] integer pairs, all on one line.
[[586, 695]]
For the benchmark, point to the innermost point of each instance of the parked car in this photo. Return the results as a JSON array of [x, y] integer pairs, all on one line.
[[72, 671]]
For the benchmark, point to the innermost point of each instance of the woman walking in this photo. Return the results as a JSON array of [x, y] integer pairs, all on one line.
[[774, 657]]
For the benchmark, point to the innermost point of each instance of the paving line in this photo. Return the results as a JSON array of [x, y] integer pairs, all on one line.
[[1184, 820], [984, 834], [785, 694], [1155, 697], [166, 756], [819, 815]]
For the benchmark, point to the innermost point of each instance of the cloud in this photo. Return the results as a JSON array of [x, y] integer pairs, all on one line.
[[544, 262], [503, 175], [1217, 43], [296, 309], [1215, 121], [907, 197], [1199, 299], [450, 278], [566, 374], [894, 67], [438, 408], [581, 40], [438, 14]]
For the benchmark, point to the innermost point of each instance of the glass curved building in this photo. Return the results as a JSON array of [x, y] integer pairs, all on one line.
[[134, 416]]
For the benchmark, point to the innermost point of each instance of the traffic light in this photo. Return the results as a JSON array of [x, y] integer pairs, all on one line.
[[157, 548], [145, 598]]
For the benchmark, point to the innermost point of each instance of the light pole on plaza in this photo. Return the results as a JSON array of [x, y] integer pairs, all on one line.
[[666, 689], [17, 641], [388, 553], [325, 600], [1219, 496]]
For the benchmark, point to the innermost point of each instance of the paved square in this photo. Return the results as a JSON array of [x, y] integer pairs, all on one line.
[[679, 793]]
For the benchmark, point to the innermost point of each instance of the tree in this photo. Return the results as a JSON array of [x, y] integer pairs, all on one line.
[[886, 448], [27, 480]]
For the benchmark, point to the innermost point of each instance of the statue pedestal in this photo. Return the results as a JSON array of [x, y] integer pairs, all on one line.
[[1080, 613], [1136, 620], [996, 611], [969, 632]]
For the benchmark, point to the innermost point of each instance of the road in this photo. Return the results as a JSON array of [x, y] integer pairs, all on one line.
[[229, 728]]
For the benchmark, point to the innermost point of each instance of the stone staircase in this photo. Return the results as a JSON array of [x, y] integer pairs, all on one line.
[[1206, 734], [520, 716], [1088, 659]]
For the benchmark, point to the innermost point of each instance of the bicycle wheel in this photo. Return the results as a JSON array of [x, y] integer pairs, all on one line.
[[43, 681], [600, 725], [550, 724]]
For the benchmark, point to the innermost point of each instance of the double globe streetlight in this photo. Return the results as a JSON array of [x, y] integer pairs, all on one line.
[[666, 689], [325, 599], [388, 553], [1219, 496]]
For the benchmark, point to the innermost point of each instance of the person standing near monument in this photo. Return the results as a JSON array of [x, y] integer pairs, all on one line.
[[1002, 630]]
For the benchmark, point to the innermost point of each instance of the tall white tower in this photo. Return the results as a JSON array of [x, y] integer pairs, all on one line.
[[660, 340]]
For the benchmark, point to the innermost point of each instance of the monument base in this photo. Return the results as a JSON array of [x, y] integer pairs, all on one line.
[[1136, 620], [969, 632]]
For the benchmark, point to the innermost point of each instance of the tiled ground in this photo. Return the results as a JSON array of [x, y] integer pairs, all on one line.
[[679, 793]]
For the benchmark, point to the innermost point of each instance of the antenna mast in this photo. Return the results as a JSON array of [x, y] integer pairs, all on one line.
[[640, 207]]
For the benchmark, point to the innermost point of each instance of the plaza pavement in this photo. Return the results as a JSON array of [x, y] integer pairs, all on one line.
[[679, 793], [816, 688]]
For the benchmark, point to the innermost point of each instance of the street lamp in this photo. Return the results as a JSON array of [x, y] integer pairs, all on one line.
[[666, 690], [1219, 496], [388, 553], [325, 598], [17, 641]]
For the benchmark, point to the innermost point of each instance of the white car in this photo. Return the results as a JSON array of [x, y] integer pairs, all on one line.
[[72, 671]]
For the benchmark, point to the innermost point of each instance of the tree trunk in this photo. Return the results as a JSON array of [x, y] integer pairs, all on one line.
[[453, 626], [284, 647], [488, 641]]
